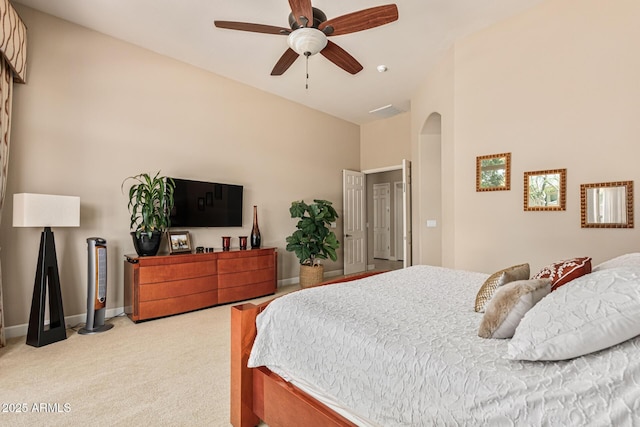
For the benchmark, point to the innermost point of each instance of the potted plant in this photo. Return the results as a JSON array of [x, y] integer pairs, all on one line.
[[150, 203], [313, 240]]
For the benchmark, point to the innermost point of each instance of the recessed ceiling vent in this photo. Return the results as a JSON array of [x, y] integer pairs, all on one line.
[[386, 111]]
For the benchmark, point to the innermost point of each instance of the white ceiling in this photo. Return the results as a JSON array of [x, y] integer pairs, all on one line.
[[184, 30]]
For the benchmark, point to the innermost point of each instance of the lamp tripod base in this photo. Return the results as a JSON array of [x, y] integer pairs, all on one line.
[[47, 277]]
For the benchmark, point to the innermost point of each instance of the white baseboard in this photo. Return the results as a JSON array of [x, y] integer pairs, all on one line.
[[70, 322], [333, 273], [296, 280], [371, 267], [290, 281]]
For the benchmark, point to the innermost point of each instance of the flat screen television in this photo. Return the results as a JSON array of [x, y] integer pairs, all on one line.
[[206, 204]]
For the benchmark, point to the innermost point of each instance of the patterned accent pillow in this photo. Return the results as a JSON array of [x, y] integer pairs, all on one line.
[[497, 279], [565, 271], [509, 305]]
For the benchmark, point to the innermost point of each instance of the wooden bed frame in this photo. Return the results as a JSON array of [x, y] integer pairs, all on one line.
[[259, 394]]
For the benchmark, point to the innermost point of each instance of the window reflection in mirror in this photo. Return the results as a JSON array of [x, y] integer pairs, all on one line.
[[545, 190], [607, 205], [493, 172]]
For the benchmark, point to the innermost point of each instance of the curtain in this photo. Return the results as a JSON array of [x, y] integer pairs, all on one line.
[[6, 86], [13, 45]]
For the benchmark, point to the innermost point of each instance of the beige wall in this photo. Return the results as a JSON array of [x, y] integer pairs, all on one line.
[[96, 110], [558, 88], [385, 142]]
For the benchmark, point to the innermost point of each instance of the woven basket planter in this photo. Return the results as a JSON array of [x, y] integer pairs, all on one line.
[[311, 275]]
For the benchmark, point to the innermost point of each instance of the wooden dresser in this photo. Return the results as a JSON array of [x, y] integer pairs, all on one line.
[[164, 285]]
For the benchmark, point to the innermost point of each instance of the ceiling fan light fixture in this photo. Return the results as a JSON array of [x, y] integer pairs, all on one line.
[[307, 41]]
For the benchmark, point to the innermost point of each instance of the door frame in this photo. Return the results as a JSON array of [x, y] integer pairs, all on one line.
[[398, 226], [406, 167]]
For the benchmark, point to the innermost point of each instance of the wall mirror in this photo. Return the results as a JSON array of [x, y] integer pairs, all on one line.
[[493, 172], [545, 190], [607, 205]]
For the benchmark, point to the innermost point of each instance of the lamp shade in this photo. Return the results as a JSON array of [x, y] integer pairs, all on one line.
[[307, 41], [45, 210]]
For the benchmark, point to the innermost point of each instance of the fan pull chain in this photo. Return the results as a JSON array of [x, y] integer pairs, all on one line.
[[306, 85]]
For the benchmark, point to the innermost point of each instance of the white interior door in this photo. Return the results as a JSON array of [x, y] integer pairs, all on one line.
[[381, 221], [354, 225], [406, 202]]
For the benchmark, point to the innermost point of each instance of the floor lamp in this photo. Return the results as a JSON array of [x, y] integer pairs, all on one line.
[[45, 210]]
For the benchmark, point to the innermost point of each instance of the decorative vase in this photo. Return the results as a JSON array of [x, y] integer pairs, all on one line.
[[311, 275], [256, 240], [145, 245], [243, 242], [226, 243]]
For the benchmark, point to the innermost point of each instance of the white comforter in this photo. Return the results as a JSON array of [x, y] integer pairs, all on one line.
[[401, 349]]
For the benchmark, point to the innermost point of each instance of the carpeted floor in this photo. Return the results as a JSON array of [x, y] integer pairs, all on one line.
[[172, 371]]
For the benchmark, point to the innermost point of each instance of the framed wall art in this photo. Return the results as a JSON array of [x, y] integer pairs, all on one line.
[[493, 172], [545, 190], [606, 205]]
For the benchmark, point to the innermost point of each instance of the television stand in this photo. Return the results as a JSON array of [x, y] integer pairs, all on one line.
[[158, 286]]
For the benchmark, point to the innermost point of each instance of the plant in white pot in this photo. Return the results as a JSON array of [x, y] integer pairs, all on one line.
[[313, 240], [150, 204]]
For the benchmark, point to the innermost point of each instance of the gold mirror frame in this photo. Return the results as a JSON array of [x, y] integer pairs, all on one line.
[[490, 167], [545, 190], [628, 209]]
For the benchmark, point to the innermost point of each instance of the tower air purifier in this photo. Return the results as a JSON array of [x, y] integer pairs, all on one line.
[[96, 286]]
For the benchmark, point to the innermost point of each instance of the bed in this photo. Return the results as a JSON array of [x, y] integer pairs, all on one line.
[[402, 349]]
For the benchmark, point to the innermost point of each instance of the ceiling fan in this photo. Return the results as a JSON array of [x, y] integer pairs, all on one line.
[[310, 29]]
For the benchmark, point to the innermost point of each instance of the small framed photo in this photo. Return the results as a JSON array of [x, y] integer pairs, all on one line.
[[179, 242]]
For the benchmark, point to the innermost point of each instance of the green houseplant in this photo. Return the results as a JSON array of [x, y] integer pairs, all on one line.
[[150, 203], [313, 240]]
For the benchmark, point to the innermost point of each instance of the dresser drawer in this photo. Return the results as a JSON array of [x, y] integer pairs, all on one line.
[[176, 288], [163, 273], [245, 278], [168, 306], [245, 264], [240, 293]]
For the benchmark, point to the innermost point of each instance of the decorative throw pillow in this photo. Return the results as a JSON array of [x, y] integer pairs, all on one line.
[[509, 305], [563, 272], [597, 311], [497, 279], [626, 260]]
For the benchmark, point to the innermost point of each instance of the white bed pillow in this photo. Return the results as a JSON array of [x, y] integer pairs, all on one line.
[[508, 306], [597, 311], [626, 260]]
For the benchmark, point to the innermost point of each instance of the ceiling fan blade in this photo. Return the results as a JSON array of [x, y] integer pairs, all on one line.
[[301, 8], [361, 20], [254, 28], [285, 61], [341, 58]]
